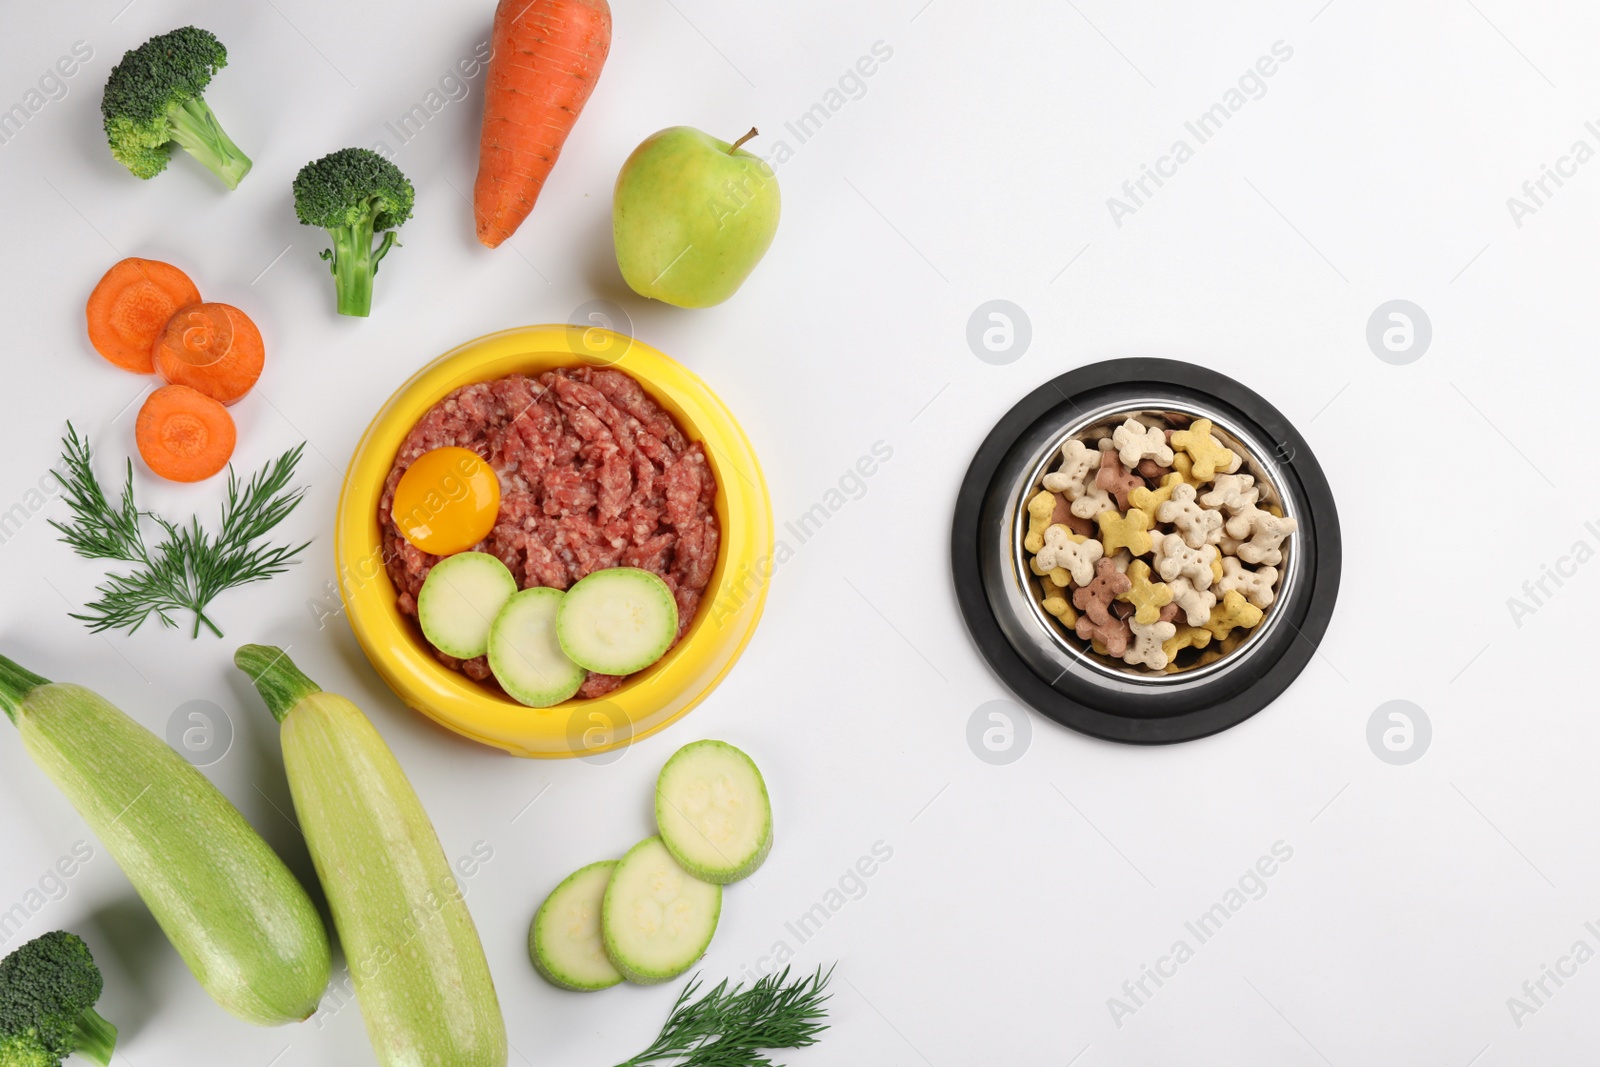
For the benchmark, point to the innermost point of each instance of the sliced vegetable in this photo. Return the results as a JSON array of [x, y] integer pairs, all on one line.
[[184, 435], [225, 900], [130, 307], [446, 501], [547, 56], [213, 349], [524, 654], [617, 621], [458, 602], [713, 811], [190, 566], [414, 954], [564, 941], [48, 990], [656, 918]]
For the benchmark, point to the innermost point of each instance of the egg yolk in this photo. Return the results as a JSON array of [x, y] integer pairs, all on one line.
[[447, 501]]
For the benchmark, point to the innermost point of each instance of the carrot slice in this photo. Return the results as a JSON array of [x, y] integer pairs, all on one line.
[[184, 435], [213, 348], [129, 307]]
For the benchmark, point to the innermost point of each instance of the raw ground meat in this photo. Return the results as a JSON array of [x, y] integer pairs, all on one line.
[[593, 474]]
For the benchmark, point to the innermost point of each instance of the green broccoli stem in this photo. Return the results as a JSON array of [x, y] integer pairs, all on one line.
[[16, 683], [199, 133], [355, 262], [96, 1037]]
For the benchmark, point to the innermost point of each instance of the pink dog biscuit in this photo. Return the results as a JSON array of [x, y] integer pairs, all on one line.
[[1116, 479], [1111, 637], [1094, 600]]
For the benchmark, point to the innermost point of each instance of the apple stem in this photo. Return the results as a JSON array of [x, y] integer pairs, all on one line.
[[735, 146]]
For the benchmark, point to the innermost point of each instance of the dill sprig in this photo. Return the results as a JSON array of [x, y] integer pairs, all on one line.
[[188, 568], [730, 1027]]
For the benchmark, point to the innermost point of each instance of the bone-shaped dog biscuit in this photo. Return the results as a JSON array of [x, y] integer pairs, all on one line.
[[1136, 441], [1256, 585], [1130, 531], [1066, 550], [1232, 492], [1147, 597], [1209, 455], [1196, 604], [1199, 526], [1174, 558], [1078, 460], [1147, 649]]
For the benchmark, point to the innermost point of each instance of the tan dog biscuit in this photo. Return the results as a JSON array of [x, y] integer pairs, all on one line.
[[1174, 558], [1147, 648], [1266, 533], [1199, 526], [1256, 585], [1135, 441], [1065, 550], [1196, 604], [1232, 492], [1078, 461]]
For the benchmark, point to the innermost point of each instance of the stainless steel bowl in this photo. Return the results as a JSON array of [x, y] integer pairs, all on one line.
[[1055, 649], [1051, 670]]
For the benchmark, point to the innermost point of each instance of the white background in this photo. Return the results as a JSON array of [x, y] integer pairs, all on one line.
[[976, 165]]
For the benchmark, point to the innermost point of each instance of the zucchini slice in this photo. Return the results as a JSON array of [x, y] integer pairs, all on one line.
[[713, 811], [564, 940], [524, 654], [656, 918], [459, 600], [617, 621]]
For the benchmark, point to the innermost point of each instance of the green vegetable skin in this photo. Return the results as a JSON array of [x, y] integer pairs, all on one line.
[[414, 954], [225, 900]]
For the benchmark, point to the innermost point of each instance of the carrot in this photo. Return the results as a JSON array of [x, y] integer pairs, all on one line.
[[184, 435], [546, 58], [130, 306], [213, 348]]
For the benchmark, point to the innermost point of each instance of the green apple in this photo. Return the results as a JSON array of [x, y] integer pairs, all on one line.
[[692, 216]]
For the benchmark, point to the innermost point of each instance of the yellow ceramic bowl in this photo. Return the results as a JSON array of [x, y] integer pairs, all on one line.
[[652, 699]]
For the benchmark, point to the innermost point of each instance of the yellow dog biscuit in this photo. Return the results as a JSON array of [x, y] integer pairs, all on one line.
[[1209, 454], [1147, 597], [1232, 612], [1040, 508], [1130, 531], [1186, 637], [1151, 499], [1056, 602]]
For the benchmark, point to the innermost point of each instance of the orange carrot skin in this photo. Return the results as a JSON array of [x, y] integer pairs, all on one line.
[[184, 435], [130, 306], [214, 349], [547, 57]]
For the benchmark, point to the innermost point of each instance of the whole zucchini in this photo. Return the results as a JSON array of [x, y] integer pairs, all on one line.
[[225, 900], [414, 954]]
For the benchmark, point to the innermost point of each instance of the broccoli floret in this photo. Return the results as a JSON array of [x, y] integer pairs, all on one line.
[[153, 101], [48, 990], [353, 193]]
